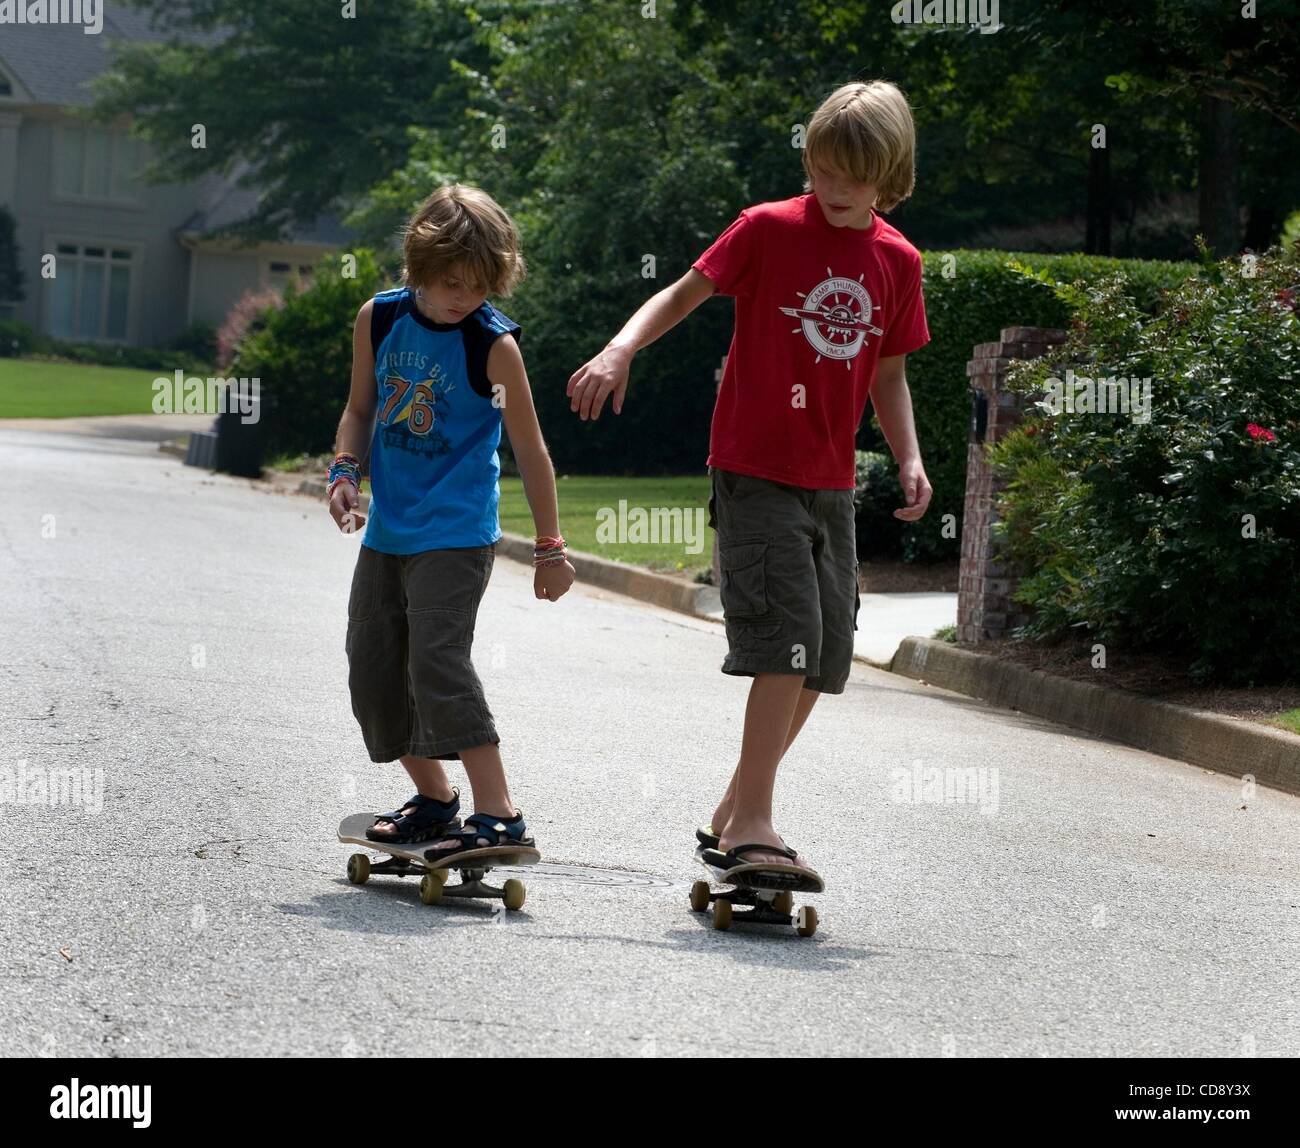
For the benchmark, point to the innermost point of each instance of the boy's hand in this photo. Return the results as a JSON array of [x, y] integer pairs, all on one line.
[[343, 508], [597, 379], [916, 490], [553, 580]]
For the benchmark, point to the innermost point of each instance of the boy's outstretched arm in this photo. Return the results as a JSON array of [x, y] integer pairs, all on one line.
[[606, 374], [892, 402], [505, 369]]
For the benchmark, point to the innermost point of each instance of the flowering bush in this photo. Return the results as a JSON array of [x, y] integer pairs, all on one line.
[[301, 350], [1176, 528], [247, 316]]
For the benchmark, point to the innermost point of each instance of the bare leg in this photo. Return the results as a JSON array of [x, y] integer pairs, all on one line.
[[773, 700], [430, 780], [487, 778], [807, 699]]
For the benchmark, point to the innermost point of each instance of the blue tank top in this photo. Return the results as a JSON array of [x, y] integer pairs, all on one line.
[[433, 457]]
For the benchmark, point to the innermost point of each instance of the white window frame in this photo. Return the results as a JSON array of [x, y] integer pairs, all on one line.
[[279, 280], [136, 264]]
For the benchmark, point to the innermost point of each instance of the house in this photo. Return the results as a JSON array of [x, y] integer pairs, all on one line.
[[134, 263]]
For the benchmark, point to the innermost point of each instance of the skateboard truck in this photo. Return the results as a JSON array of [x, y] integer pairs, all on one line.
[[766, 907]]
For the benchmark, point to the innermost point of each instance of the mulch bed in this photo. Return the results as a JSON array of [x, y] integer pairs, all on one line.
[[1150, 675], [898, 578]]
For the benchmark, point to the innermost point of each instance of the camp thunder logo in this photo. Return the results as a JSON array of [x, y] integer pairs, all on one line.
[[835, 317]]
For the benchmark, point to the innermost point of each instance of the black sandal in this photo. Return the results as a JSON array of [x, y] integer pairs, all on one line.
[[483, 832], [428, 818]]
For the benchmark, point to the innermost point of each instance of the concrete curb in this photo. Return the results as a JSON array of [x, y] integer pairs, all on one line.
[[1225, 745], [646, 586]]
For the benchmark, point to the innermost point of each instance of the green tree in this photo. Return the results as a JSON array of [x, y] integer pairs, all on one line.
[[313, 105]]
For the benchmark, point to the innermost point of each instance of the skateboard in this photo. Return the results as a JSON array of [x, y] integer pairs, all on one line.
[[767, 889], [403, 859]]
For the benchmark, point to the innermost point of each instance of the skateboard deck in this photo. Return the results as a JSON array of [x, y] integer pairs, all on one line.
[[767, 890], [406, 859]]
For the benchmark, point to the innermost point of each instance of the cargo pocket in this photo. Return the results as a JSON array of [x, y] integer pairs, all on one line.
[[441, 626], [365, 582], [744, 580]]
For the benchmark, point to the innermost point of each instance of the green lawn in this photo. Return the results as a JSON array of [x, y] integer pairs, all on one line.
[[39, 390], [582, 496], [1289, 720]]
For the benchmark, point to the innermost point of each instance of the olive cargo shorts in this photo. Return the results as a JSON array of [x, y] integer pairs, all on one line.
[[410, 627], [789, 566]]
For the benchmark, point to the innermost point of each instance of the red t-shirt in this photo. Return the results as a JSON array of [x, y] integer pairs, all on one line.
[[815, 305]]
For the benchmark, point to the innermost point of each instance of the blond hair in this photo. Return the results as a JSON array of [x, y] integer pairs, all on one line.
[[463, 226], [865, 131]]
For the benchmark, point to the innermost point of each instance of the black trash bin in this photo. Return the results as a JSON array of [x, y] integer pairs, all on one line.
[[239, 442]]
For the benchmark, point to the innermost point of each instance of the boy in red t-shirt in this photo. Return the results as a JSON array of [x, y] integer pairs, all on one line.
[[828, 305]]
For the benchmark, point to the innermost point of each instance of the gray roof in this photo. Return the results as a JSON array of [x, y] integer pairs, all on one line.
[[224, 202], [54, 64]]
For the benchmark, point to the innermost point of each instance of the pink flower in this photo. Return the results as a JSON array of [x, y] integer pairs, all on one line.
[[1258, 432], [1287, 297]]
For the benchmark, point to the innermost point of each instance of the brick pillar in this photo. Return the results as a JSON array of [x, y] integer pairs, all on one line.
[[984, 605]]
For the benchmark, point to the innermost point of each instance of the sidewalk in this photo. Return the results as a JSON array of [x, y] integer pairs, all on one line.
[[884, 620], [138, 428]]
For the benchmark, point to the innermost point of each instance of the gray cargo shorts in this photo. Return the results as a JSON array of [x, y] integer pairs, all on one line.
[[789, 578], [410, 627]]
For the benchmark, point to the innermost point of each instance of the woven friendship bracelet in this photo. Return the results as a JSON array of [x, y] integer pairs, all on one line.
[[344, 468], [548, 549]]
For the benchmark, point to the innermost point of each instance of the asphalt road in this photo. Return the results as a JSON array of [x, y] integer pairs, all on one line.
[[183, 634]]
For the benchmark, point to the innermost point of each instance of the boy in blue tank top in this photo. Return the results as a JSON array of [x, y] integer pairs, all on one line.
[[436, 372]]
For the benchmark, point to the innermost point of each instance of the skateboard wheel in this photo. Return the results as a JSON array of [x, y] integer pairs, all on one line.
[[431, 888], [784, 902], [358, 868], [700, 896], [722, 915], [513, 893], [806, 921]]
